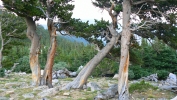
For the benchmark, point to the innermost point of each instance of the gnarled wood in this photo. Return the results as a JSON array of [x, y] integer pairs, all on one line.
[[47, 76], [34, 51], [124, 58], [82, 77]]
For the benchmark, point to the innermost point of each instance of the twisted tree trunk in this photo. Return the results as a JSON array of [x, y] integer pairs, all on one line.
[[47, 76], [124, 58], [34, 51], [83, 75]]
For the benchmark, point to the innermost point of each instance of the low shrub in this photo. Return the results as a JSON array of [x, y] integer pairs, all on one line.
[[131, 75], [162, 74], [141, 87], [23, 65], [2, 72], [139, 72], [60, 65]]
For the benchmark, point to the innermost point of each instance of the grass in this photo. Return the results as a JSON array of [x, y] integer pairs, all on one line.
[[138, 90], [141, 87], [67, 79]]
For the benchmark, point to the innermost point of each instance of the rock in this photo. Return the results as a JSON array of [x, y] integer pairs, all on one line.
[[45, 98], [49, 92], [66, 94], [40, 88], [152, 77], [72, 74], [175, 98], [108, 94], [12, 84], [172, 76], [62, 75], [11, 99], [10, 92], [93, 86], [55, 81], [116, 76], [54, 76], [168, 87], [60, 71], [171, 80], [3, 98], [80, 68], [22, 73], [28, 95]]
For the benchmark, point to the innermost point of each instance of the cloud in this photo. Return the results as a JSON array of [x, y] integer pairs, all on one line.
[[0, 2], [86, 11]]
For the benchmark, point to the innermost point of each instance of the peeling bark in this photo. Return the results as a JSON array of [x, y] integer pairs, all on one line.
[[34, 51], [124, 61], [47, 76], [82, 77]]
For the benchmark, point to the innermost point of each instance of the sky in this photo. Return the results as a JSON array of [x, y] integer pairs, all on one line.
[[85, 11]]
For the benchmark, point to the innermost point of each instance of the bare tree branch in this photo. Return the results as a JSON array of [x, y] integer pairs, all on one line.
[[10, 34], [146, 24], [112, 30], [7, 42], [96, 47], [140, 8]]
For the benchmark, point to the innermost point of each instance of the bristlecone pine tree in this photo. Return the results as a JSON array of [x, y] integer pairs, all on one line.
[[100, 29], [146, 18], [33, 10]]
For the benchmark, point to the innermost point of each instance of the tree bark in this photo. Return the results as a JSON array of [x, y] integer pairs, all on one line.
[[83, 75], [34, 51], [47, 76], [124, 58], [2, 47]]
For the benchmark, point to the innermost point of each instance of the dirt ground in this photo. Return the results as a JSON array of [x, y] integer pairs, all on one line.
[[22, 86]]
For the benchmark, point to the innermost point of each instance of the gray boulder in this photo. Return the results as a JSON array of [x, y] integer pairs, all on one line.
[[93, 86], [49, 92], [108, 94], [28, 95]]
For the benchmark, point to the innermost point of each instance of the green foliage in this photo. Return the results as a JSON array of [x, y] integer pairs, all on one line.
[[141, 87], [73, 53], [2, 72], [35, 8], [107, 66], [24, 8], [138, 71], [60, 65], [162, 74], [13, 29], [23, 65], [130, 74]]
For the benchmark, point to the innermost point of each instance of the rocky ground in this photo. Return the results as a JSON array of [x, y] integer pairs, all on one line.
[[18, 87]]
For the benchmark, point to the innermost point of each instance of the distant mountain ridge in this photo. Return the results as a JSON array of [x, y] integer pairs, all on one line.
[[71, 38], [74, 38]]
